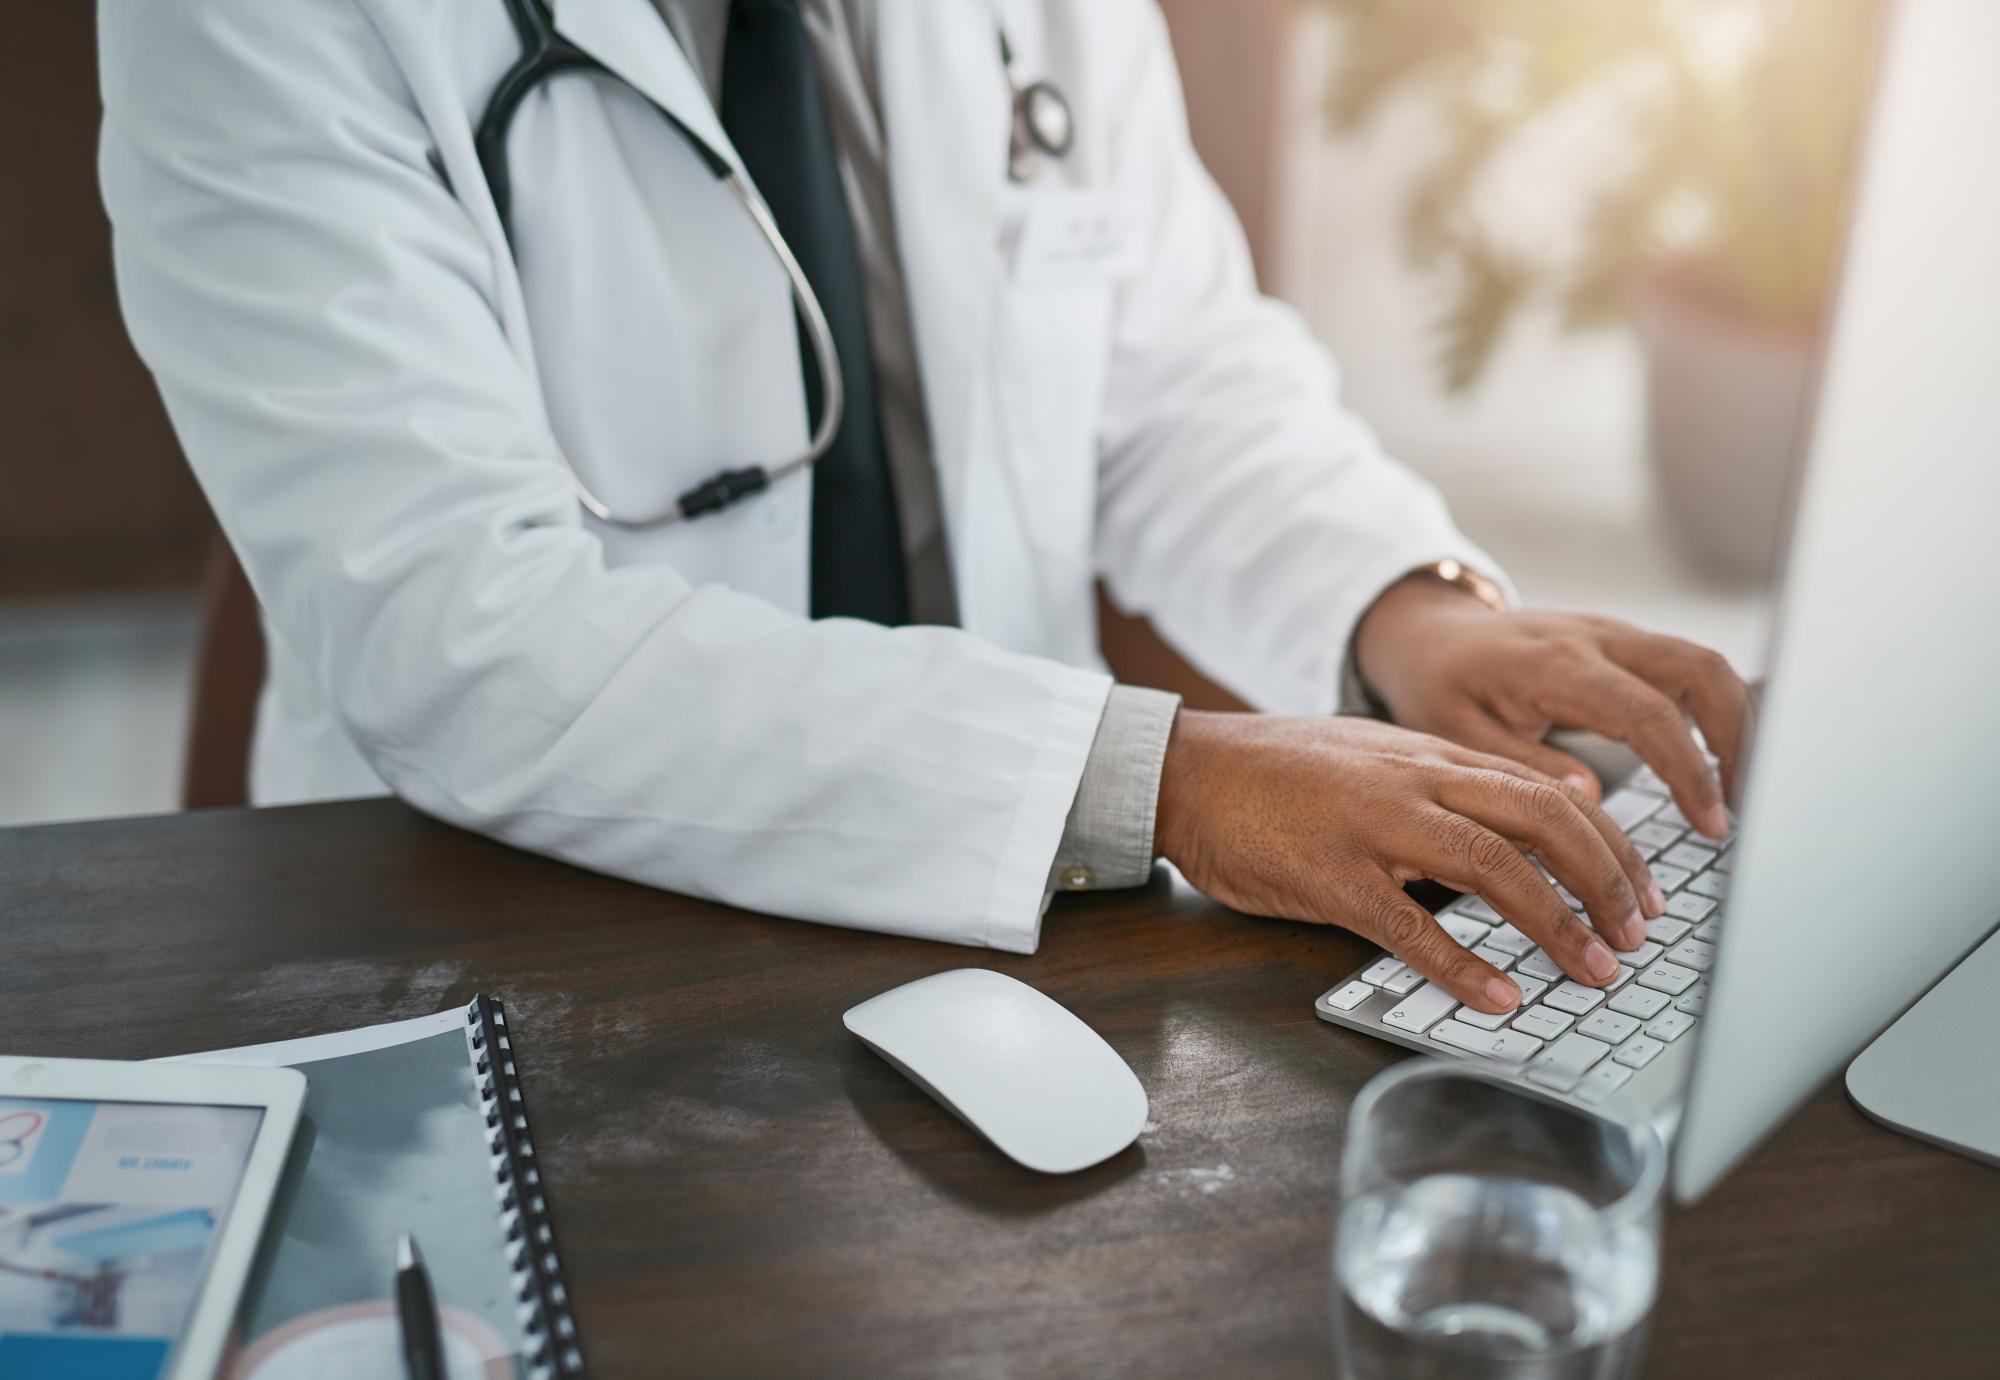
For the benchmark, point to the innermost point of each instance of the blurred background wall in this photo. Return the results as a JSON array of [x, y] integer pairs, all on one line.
[[1357, 139]]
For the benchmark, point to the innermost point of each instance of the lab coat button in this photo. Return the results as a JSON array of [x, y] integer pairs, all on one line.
[[1078, 879]]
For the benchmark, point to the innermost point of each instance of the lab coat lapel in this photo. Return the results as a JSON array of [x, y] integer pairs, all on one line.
[[630, 38], [945, 114]]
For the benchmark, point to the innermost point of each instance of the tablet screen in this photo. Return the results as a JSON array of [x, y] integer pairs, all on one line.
[[108, 1211]]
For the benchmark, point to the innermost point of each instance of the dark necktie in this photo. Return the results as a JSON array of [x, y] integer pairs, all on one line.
[[774, 114]]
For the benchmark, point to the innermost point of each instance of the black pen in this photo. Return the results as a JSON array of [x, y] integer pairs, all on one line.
[[416, 1312]]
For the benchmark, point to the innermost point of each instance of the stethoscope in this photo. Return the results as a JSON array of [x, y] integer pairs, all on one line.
[[1041, 126]]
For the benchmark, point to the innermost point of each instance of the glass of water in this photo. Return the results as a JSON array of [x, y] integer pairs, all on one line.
[[1489, 1231]]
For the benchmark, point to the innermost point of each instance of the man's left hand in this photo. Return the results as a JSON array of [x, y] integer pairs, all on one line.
[[1443, 662]]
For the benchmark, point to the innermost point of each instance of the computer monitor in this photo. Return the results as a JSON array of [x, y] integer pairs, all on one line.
[[1869, 861]]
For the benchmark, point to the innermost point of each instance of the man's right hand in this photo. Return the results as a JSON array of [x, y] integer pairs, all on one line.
[[1324, 819]]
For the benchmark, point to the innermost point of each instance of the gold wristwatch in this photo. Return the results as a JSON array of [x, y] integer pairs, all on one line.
[[1459, 575]]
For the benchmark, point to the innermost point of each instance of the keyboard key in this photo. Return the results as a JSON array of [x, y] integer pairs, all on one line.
[[1668, 876], [1645, 779], [1642, 1002], [1652, 838], [1508, 1046], [1670, 814], [1568, 897], [1625, 973], [1477, 909], [1574, 998], [1669, 1026], [1608, 1026], [1406, 981], [1638, 1051], [1688, 905], [1350, 996], [1382, 969], [1601, 1082], [1727, 862], [1421, 1009], [1667, 930], [1694, 1001], [1692, 856], [1692, 953], [1465, 930], [1710, 883], [1668, 977], [1641, 956], [1499, 958], [1537, 964], [1483, 1019], [1543, 1023], [1530, 987], [1628, 809], [1711, 933], [1569, 1057], [1508, 938]]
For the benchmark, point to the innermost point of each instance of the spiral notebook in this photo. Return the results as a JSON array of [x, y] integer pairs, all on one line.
[[418, 1126]]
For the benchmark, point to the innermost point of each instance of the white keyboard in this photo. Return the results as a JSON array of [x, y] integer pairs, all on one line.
[[1583, 1042]]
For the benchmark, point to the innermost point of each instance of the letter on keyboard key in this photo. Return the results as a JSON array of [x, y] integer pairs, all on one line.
[[1543, 1023], [1668, 977], [1608, 1026], [1667, 930], [1628, 809], [1688, 905], [1512, 940], [1508, 1046], [1638, 1051], [1692, 953], [1574, 1053], [1641, 956], [1692, 856], [1601, 1082], [1539, 965], [1382, 969], [1499, 958], [1420, 1010], [1694, 1003], [1350, 996], [1465, 930], [1574, 998], [1530, 987], [1642, 1002], [1668, 876], [1669, 1026]]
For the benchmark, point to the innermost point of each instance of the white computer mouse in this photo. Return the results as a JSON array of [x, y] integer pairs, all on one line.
[[1009, 1062]]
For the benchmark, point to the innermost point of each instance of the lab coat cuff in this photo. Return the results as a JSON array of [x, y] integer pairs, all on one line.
[[1020, 893]]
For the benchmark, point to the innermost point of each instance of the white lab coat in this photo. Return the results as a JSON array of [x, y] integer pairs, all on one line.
[[374, 393]]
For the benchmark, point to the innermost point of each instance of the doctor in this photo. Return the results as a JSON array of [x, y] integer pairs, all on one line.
[[461, 309]]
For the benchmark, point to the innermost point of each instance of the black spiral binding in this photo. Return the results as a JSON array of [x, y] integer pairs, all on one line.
[[553, 1349]]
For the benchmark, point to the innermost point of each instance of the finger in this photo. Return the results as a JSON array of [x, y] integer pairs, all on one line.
[[1620, 898], [1481, 730], [1464, 853], [1382, 912], [1699, 680], [1606, 698]]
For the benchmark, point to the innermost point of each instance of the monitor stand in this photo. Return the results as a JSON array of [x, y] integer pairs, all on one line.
[[1931, 1074]]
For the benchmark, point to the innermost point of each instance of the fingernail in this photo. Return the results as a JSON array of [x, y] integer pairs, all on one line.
[[1633, 931], [1599, 961], [1656, 899], [1582, 783], [1502, 994]]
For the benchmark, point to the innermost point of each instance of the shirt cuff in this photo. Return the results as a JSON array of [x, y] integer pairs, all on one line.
[[1108, 840]]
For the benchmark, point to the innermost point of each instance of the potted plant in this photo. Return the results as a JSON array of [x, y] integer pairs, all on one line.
[[1714, 231]]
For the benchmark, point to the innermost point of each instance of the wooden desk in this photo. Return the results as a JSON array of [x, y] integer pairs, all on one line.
[[740, 1188]]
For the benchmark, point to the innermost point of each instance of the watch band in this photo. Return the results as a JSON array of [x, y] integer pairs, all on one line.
[[1461, 576]]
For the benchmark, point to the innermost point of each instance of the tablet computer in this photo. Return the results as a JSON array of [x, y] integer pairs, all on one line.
[[131, 1199]]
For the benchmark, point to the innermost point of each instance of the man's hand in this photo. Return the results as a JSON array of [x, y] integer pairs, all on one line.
[[1445, 663], [1324, 819]]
